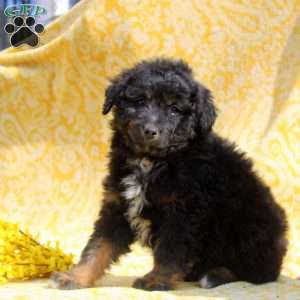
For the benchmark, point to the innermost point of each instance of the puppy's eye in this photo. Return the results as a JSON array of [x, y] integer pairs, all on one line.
[[175, 110], [139, 102]]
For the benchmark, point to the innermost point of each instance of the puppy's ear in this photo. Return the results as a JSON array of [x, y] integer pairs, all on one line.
[[206, 112], [112, 95], [109, 101]]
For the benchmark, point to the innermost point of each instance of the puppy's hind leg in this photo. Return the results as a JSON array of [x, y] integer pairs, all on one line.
[[216, 277]]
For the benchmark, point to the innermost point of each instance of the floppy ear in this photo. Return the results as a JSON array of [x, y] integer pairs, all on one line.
[[110, 98], [206, 112]]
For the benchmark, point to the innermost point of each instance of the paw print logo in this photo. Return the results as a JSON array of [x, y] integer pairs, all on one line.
[[24, 31]]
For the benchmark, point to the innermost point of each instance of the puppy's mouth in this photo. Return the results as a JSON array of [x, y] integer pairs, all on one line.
[[157, 149]]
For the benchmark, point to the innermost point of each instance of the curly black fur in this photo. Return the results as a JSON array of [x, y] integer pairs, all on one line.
[[182, 190]]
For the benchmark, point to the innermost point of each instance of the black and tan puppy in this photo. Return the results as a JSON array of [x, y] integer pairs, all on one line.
[[179, 189]]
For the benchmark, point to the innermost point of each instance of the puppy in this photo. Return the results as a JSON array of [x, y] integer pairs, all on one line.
[[180, 189]]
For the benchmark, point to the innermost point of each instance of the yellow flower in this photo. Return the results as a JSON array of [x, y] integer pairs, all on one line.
[[23, 257]]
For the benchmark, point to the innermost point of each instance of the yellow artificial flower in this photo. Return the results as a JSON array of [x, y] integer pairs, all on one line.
[[23, 257]]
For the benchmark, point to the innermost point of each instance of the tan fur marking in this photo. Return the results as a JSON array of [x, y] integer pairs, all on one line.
[[109, 196], [87, 271], [160, 276]]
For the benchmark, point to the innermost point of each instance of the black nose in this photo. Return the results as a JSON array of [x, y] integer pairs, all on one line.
[[151, 131]]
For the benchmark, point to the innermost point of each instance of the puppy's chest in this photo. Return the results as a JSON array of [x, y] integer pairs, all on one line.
[[134, 187]]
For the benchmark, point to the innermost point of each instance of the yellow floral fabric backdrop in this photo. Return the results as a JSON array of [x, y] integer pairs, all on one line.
[[54, 141]]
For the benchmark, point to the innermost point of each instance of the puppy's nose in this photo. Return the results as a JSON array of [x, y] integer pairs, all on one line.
[[151, 132]]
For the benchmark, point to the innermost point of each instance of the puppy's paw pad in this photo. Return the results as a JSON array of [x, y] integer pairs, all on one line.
[[151, 285], [63, 281]]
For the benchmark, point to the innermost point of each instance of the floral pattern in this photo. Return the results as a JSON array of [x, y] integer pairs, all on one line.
[[54, 141]]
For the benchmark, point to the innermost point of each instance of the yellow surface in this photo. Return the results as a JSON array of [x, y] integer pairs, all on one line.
[[53, 139]]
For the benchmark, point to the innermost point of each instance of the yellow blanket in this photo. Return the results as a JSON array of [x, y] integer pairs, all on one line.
[[53, 139]]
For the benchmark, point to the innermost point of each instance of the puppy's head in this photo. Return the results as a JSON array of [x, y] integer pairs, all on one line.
[[159, 107]]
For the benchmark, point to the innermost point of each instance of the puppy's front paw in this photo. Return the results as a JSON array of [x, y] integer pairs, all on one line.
[[150, 284], [64, 281]]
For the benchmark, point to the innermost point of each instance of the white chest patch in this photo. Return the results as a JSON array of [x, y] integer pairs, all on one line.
[[134, 194]]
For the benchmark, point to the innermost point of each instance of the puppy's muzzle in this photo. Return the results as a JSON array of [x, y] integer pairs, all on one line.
[[150, 132]]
